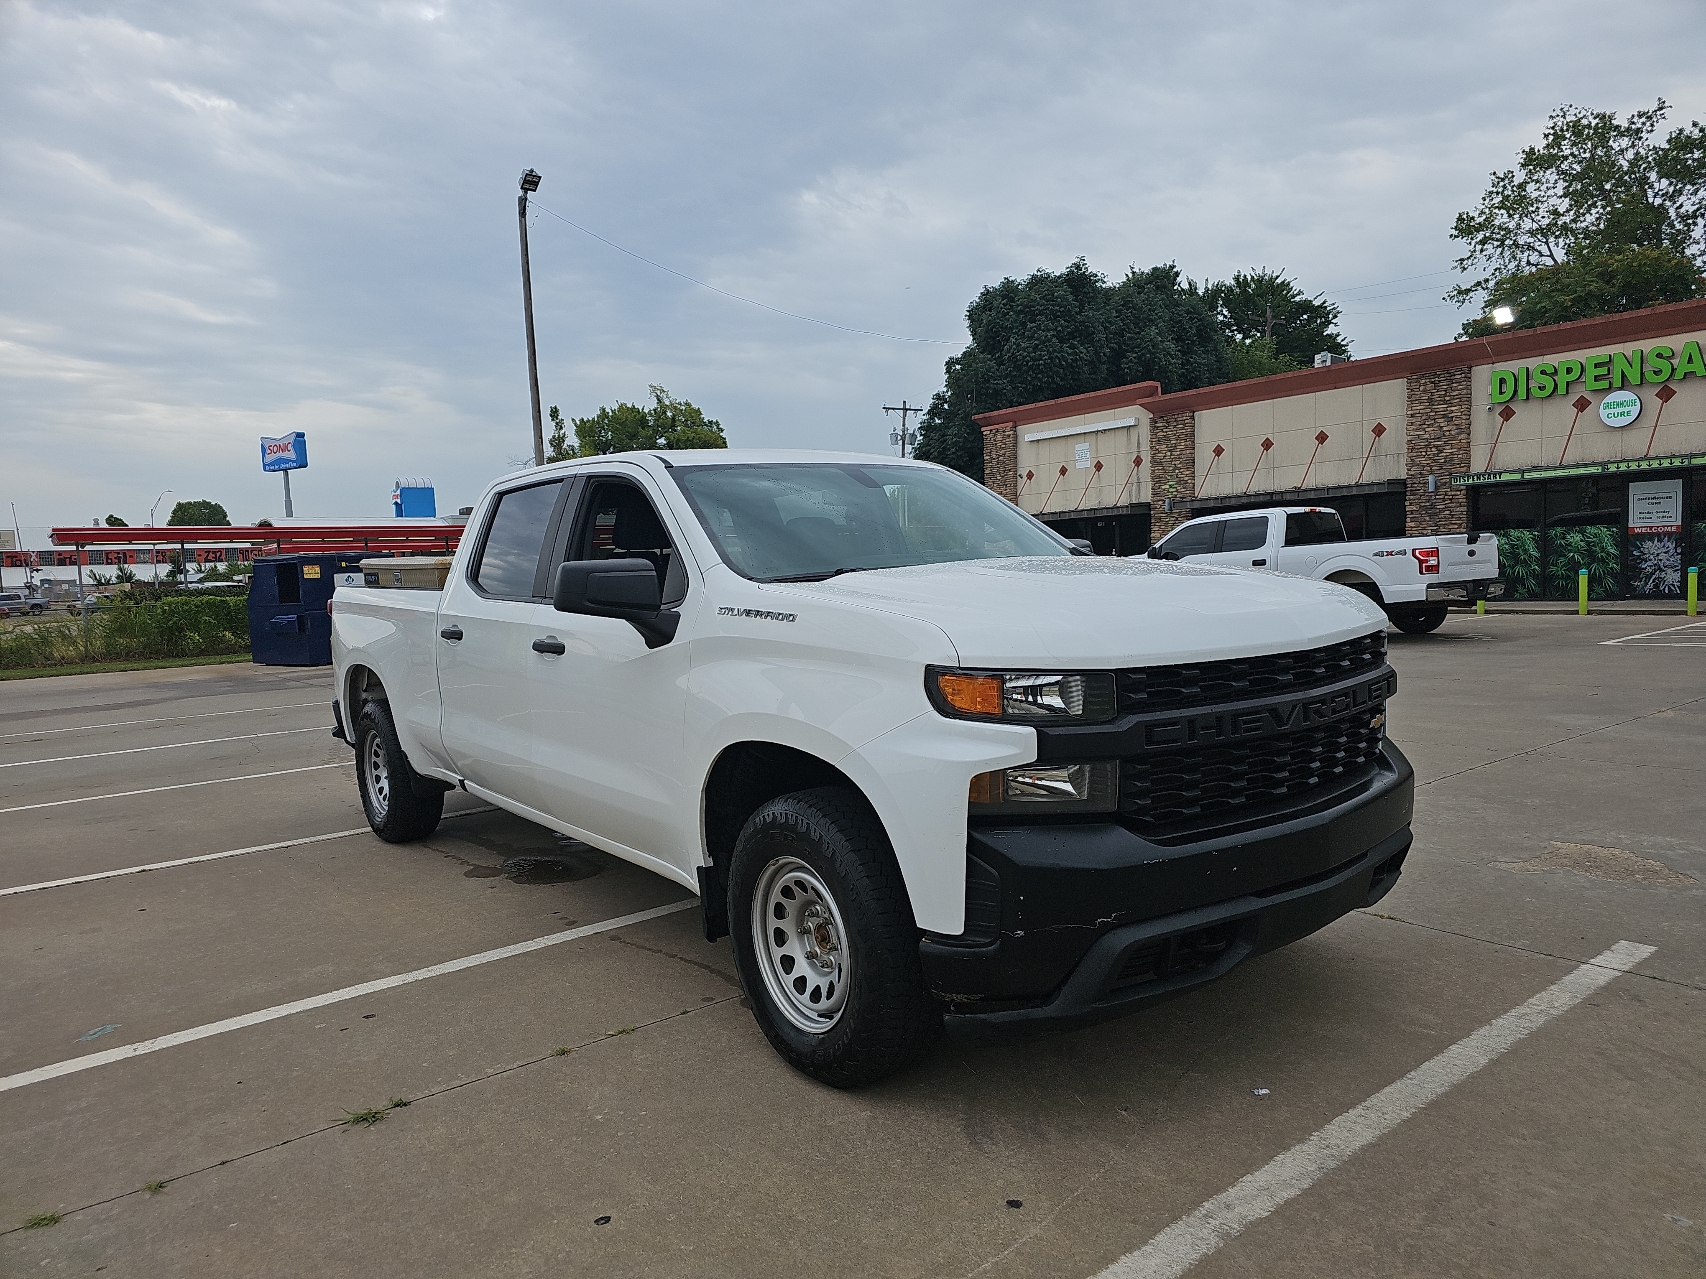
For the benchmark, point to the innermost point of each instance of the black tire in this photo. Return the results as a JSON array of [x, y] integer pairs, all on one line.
[[828, 844], [401, 805], [1420, 621]]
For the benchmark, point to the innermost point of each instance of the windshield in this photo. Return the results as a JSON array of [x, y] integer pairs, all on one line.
[[812, 520]]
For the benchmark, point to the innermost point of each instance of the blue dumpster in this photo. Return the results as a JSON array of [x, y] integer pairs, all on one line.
[[288, 621]]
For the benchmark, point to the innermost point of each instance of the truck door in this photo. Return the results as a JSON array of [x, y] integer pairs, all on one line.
[[1309, 539], [606, 711], [485, 626], [1243, 543], [1193, 541]]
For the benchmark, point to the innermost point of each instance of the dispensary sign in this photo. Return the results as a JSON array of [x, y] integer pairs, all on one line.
[[1611, 371]]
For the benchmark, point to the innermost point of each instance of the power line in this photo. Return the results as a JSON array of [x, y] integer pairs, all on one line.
[[1403, 279], [792, 315]]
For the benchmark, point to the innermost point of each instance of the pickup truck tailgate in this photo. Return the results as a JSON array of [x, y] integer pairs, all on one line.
[[1459, 560]]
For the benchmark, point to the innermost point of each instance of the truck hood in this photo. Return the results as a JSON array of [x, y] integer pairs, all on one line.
[[1101, 612]]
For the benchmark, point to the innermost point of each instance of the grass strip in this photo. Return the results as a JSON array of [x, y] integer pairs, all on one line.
[[140, 664]]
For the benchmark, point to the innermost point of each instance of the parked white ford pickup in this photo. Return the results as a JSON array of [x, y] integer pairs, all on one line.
[[917, 754], [1415, 579]]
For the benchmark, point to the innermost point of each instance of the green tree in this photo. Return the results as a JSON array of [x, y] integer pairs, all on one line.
[[201, 513], [1064, 333], [1258, 358], [1265, 305], [669, 423], [1600, 217], [113, 521]]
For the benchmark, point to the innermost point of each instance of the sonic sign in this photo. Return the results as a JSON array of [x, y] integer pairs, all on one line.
[[287, 453]]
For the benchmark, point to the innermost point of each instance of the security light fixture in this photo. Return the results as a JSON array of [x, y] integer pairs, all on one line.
[[1503, 315], [530, 181]]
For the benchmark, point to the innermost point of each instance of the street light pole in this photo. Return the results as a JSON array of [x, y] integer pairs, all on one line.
[[530, 182]]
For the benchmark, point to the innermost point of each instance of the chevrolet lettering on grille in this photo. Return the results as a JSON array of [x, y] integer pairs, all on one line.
[[1275, 717]]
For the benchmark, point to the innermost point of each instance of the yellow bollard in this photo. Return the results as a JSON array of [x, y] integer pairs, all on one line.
[[1481, 608], [1694, 592], [1582, 592]]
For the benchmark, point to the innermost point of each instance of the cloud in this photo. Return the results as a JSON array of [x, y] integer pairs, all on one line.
[[227, 220]]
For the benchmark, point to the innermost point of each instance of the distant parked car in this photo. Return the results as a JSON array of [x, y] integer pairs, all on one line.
[[19, 602]]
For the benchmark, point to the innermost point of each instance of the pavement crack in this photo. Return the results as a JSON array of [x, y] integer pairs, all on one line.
[[1526, 950], [342, 1125], [718, 973], [1573, 737]]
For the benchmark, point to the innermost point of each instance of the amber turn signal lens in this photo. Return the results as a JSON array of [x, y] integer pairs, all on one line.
[[986, 788], [971, 694]]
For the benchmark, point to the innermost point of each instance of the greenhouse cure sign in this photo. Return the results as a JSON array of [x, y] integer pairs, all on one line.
[[1608, 371], [1620, 408]]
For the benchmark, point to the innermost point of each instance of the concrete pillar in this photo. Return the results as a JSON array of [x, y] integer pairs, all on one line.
[[1436, 442]]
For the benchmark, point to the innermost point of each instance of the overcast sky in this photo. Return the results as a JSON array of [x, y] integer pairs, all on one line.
[[229, 220]]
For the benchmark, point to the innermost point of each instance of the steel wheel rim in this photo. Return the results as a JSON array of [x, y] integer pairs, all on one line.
[[801, 945], [378, 776]]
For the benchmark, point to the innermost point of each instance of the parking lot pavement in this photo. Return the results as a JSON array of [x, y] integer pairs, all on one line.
[[1558, 814]]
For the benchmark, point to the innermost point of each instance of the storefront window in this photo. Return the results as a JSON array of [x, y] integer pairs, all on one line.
[[1697, 521], [1584, 529], [1514, 513]]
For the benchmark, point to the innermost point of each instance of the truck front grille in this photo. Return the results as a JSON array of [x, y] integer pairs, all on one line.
[[1147, 689], [1169, 796]]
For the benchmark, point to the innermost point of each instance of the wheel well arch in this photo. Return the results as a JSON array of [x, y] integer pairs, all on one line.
[[362, 685], [745, 776], [1357, 581]]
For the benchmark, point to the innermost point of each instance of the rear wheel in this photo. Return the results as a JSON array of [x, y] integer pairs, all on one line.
[[1420, 621], [400, 804], [825, 942]]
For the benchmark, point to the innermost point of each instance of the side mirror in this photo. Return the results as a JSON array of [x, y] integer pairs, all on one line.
[[627, 589], [1154, 552], [1082, 545]]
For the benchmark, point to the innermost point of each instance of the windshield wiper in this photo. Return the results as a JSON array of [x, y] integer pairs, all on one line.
[[824, 577]]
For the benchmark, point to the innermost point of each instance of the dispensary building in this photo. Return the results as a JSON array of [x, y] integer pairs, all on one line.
[[1582, 445]]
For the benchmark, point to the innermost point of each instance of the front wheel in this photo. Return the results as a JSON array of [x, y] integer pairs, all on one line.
[[825, 943], [400, 804], [1419, 622]]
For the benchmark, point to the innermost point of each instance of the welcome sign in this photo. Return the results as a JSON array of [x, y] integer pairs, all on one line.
[[286, 453]]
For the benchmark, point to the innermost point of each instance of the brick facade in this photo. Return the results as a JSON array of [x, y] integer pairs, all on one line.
[[1001, 460], [1172, 470], [1437, 408]]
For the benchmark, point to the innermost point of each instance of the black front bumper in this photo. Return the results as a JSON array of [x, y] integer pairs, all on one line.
[[1094, 920]]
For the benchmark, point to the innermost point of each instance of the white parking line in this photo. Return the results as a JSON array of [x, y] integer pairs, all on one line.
[[90, 1061], [151, 790], [210, 857], [1696, 640], [1191, 1238], [168, 719], [167, 746]]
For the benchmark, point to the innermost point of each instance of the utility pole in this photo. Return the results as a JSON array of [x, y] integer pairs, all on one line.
[[902, 437], [529, 183]]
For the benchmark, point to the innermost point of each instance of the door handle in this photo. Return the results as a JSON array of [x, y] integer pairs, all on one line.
[[452, 633], [550, 644], [1258, 563]]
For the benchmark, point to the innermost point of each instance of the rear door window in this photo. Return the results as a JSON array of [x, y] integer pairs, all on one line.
[[1193, 539], [515, 538], [1247, 534], [1311, 528]]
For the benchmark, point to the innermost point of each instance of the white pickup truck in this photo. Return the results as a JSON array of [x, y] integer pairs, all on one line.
[[1415, 579], [917, 754]]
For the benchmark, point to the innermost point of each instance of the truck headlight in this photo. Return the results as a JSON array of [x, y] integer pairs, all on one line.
[[1021, 696], [1089, 787]]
